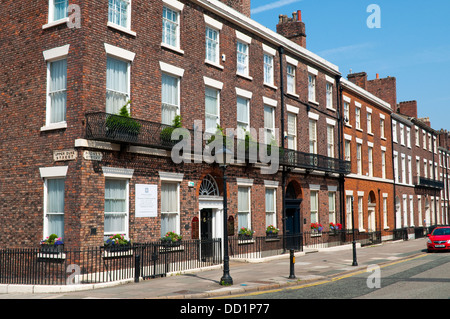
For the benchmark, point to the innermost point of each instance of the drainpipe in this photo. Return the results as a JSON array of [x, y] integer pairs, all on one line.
[[283, 173]]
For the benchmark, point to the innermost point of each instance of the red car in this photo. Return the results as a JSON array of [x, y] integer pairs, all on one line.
[[439, 239]]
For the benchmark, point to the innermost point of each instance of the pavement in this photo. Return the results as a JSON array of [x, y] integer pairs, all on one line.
[[312, 265]]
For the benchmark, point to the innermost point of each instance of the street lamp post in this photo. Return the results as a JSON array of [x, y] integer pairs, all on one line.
[[223, 157]]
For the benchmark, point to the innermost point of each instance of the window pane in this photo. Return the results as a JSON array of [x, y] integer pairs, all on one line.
[[55, 200], [243, 202], [170, 27], [60, 9], [211, 45], [116, 85], [115, 195], [117, 12], [55, 207], [169, 98], [57, 91], [169, 197]]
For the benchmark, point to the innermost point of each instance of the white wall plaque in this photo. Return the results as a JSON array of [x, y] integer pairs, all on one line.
[[92, 156], [64, 155], [146, 200]]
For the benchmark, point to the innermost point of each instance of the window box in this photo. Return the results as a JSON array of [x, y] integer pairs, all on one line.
[[51, 249]]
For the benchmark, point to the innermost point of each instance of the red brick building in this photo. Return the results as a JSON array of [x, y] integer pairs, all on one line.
[[65, 169], [367, 144], [417, 184]]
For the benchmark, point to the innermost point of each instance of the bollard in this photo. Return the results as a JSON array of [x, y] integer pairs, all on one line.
[[292, 263], [137, 268]]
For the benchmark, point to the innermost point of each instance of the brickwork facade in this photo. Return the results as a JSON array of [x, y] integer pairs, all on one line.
[[100, 176]]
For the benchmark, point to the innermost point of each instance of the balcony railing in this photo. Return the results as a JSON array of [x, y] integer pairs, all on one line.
[[102, 126], [420, 181]]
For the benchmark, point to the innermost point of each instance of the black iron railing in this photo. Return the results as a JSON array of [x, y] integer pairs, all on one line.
[[33, 266], [420, 181], [102, 126]]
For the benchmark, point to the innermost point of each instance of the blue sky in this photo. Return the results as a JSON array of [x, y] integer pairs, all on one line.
[[413, 44]]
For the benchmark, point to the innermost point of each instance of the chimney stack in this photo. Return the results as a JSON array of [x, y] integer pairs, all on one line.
[[408, 108], [292, 28]]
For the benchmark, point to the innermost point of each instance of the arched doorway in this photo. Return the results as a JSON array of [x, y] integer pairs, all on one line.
[[210, 215], [293, 226]]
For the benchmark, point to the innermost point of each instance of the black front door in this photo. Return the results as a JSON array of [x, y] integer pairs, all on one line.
[[293, 224], [206, 233]]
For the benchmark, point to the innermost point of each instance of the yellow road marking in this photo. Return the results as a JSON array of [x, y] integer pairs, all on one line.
[[317, 283]]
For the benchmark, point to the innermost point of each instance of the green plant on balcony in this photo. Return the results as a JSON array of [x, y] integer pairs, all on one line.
[[166, 133], [122, 125]]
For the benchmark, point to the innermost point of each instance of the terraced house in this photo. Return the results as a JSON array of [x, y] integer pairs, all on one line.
[[71, 166]]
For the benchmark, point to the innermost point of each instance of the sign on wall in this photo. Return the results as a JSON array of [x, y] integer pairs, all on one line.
[[146, 200]]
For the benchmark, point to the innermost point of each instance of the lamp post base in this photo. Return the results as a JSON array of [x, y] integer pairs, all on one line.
[[226, 280]]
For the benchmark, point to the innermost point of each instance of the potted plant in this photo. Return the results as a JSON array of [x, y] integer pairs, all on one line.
[[335, 227], [245, 233], [52, 244], [316, 228], [122, 126], [117, 242], [166, 133], [171, 239], [272, 231]]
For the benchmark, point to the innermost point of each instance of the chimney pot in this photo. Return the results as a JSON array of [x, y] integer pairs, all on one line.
[[378, 76], [299, 15]]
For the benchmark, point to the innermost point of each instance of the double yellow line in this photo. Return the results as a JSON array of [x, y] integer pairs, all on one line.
[[321, 282]]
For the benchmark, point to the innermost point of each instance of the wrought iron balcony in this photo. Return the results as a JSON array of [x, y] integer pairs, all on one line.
[[106, 127], [420, 181]]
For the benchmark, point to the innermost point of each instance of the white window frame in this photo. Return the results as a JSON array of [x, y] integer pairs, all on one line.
[[292, 136], [177, 74], [172, 178], [291, 79], [361, 211], [123, 28], [385, 211], [215, 27], [242, 68], [175, 213], [332, 210], [176, 7], [394, 131], [329, 94], [268, 69], [271, 129], [116, 173], [358, 117], [50, 56], [47, 173], [51, 15], [370, 160], [359, 169], [243, 127], [312, 136], [314, 213], [271, 215], [217, 92], [369, 121], [330, 140], [122, 55], [383, 163], [248, 212], [347, 150]]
